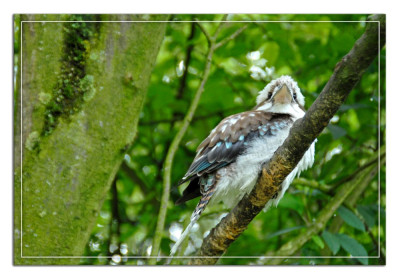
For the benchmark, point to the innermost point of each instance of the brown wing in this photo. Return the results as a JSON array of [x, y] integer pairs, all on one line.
[[230, 138]]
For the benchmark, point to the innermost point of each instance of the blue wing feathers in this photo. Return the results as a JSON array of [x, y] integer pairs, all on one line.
[[227, 141]]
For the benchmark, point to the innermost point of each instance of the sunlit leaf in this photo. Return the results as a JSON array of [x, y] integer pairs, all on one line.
[[317, 240]]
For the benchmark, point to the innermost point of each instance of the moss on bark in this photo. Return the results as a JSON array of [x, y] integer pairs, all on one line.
[[64, 180]]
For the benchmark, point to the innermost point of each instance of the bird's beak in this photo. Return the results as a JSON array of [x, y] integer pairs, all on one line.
[[283, 96]]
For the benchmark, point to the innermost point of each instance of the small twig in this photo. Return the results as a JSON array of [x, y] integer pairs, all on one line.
[[205, 32], [231, 37], [344, 180], [312, 184], [219, 27]]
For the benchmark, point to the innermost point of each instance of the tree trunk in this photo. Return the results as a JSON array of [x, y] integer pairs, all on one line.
[[83, 86]]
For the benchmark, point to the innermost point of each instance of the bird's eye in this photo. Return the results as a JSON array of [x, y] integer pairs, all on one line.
[[269, 95], [295, 96]]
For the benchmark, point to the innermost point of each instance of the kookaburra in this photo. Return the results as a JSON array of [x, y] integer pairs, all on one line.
[[229, 161]]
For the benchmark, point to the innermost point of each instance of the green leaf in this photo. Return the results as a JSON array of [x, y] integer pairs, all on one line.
[[354, 248], [317, 240], [368, 213], [332, 241], [351, 219], [283, 231]]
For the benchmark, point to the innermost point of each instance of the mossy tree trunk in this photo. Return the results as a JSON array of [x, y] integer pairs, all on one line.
[[83, 86]]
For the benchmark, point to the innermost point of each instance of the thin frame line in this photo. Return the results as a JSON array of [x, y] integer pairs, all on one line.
[[205, 257], [208, 21], [379, 138], [21, 97], [236, 21]]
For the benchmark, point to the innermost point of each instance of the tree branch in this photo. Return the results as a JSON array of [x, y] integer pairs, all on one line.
[[304, 131], [312, 184]]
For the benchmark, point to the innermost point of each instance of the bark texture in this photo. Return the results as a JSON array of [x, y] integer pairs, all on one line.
[[83, 87], [304, 131]]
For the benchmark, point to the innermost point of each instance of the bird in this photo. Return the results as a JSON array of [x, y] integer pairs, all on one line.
[[229, 161]]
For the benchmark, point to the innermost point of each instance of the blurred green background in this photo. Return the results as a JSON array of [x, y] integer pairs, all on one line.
[[306, 50]]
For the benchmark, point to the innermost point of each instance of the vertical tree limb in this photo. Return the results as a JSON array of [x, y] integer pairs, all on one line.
[[179, 136], [304, 131], [188, 58], [171, 154]]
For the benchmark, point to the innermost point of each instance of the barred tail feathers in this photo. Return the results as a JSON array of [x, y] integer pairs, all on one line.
[[184, 234], [193, 219]]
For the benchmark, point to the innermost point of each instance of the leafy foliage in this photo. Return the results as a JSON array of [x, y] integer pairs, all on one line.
[[308, 51], [351, 219]]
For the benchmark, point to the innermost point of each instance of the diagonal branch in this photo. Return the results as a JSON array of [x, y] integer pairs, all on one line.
[[304, 131], [231, 37]]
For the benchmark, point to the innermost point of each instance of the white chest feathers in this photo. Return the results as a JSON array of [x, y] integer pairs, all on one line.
[[239, 178]]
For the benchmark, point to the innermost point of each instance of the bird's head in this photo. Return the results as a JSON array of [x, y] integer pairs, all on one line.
[[282, 95]]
